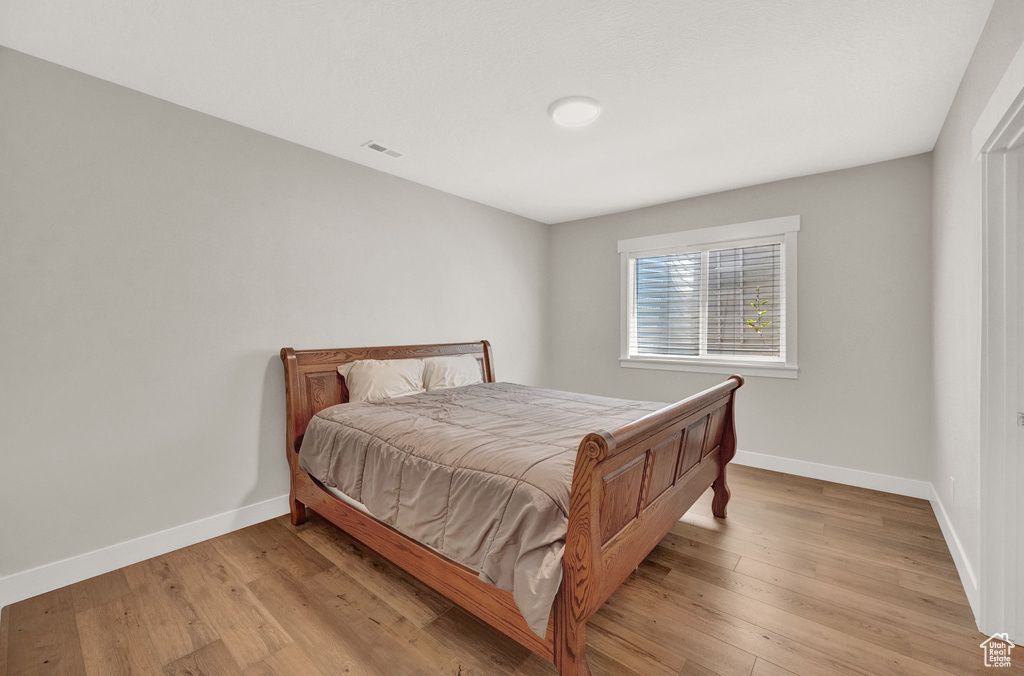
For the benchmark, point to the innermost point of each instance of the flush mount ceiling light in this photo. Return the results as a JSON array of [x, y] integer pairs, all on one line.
[[574, 111]]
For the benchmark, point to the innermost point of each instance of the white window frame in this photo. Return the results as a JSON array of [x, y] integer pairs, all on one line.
[[781, 230]]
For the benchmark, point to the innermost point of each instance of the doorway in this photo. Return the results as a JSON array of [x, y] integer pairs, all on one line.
[[999, 140]]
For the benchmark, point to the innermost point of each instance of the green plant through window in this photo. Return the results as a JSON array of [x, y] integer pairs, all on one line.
[[759, 323]]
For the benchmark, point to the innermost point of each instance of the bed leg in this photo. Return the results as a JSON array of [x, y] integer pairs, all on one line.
[[722, 493], [298, 512], [571, 651]]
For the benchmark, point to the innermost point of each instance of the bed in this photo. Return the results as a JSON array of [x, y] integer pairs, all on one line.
[[624, 487]]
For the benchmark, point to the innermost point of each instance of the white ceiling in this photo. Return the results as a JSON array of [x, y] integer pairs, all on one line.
[[698, 96]]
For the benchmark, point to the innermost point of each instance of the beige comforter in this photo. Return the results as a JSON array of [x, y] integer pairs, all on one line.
[[480, 473]]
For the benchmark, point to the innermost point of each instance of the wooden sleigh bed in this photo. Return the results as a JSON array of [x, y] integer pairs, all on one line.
[[629, 486]]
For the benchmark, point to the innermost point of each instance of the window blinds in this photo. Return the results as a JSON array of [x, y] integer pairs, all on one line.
[[724, 302], [743, 300], [668, 316]]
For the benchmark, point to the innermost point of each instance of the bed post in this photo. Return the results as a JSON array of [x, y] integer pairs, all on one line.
[[581, 561], [488, 362], [292, 442], [722, 495], [725, 454], [297, 509], [570, 641]]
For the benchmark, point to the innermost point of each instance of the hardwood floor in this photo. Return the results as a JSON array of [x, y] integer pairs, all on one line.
[[805, 577]]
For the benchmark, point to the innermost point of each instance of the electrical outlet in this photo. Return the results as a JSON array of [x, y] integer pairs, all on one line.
[[952, 489]]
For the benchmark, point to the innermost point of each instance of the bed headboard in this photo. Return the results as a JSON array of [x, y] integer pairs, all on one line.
[[312, 382]]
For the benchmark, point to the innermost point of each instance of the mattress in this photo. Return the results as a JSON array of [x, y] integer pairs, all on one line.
[[482, 474], [333, 490]]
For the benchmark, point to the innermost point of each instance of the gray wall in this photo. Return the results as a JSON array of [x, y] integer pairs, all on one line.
[[153, 260], [862, 397], [957, 284]]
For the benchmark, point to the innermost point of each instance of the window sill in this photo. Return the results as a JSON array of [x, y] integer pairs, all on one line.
[[708, 366]]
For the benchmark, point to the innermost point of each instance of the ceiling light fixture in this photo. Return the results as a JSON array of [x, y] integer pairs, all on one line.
[[574, 111]]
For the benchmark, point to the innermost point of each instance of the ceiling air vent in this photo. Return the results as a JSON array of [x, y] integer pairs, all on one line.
[[377, 147]]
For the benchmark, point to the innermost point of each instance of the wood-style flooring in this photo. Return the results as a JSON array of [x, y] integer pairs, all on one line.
[[805, 577]]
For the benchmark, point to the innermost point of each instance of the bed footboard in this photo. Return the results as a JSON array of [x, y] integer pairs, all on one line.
[[629, 487]]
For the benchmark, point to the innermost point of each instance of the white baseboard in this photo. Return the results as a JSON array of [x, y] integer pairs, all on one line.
[[963, 565], [50, 576], [840, 475]]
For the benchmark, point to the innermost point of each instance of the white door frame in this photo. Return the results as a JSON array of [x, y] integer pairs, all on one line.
[[1000, 130]]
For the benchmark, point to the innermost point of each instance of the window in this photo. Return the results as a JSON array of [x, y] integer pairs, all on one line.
[[719, 300]]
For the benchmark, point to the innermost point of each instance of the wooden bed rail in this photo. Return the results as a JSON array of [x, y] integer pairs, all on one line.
[[629, 486]]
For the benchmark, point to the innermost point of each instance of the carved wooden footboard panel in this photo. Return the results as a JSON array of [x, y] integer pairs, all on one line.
[[629, 486]]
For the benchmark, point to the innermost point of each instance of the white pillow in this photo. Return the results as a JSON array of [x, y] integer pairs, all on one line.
[[443, 372], [376, 379]]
